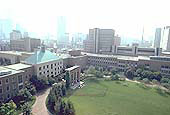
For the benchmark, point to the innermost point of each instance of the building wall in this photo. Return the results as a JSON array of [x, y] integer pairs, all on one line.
[[12, 58], [74, 75], [99, 40], [49, 69], [25, 44]]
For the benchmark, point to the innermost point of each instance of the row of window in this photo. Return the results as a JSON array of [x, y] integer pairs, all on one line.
[[47, 66], [14, 87], [20, 80]]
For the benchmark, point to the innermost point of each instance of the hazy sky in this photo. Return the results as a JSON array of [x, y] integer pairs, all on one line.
[[127, 17]]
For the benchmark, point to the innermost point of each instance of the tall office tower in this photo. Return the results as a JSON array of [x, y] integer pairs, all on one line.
[[157, 38], [99, 40], [15, 34], [165, 41], [5, 28], [62, 38]]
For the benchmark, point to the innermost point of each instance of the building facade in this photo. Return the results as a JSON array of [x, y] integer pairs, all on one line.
[[45, 63], [25, 44], [157, 40], [74, 74], [99, 40], [15, 35], [12, 79]]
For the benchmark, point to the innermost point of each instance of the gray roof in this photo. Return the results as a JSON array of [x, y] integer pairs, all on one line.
[[41, 57], [18, 66]]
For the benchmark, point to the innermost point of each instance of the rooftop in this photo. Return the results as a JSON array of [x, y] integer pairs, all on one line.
[[14, 53], [18, 66], [7, 71], [72, 68], [132, 58], [42, 57]]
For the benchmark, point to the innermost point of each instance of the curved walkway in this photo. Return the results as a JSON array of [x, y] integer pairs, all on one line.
[[39, 108]]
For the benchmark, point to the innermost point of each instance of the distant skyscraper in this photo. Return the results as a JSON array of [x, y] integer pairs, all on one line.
[[6, 27], [157, 38], [15, 34], [61, 31], [165, 40]]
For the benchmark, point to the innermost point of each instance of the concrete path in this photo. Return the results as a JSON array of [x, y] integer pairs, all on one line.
[[39, 108]]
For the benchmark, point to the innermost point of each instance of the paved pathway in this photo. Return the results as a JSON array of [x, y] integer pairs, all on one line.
[[39, 108]]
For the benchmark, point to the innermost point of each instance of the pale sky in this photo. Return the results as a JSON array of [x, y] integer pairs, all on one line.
[[127, 17]]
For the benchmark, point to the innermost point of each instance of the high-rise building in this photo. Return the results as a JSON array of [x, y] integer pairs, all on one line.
[[165, 40], [5, 28], [15, 34], [62, 38], [99, 40], [117, 41], [157, 38]]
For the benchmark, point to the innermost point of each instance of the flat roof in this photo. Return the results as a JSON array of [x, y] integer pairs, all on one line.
[[72, 68], [18, 66], [7, 71], [132, 58], [15, 52]]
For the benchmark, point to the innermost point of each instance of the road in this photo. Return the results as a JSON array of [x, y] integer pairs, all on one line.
[[39, 108]]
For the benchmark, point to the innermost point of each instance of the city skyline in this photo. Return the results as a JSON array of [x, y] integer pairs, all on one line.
[[82, 16]]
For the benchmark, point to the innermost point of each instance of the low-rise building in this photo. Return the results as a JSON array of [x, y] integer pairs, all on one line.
[[74, 74], [13, 79], [25, 44], [45, 63]]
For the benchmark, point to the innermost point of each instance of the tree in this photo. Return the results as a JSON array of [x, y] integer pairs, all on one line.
[[115, 77], [8, 108], [146, 80], [113, 71], [26, 109], [129, 74], [67, 77], [99, 74], [164, 80]]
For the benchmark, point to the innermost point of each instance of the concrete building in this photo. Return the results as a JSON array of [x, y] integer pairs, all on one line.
[[99, 40], [74, 74], [15, 35], [117, 41], [13, 57], [13, 79], [157, 40], [25, 44], [165, 40], [134, 50], [45, 63]]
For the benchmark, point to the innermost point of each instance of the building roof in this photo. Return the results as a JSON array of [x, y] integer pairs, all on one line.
[[18, 66], [132, 58], [41, 57], [17, 53], [7, 71], [72, 68]]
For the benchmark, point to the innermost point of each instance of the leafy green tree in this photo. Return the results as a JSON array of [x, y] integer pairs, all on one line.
[[99, 74], [146, 80], [113, 71], [164, 80], [115, 77], [8, 108], [26, 109]]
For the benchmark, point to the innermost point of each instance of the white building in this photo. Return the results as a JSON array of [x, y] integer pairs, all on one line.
[[165, 40], [15, 34], [157, 38], [45, 63]]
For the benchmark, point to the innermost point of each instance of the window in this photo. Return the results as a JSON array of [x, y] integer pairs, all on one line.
[[55, 64], [8, 96], [47, 71], [20, 79], [20, 87], [7, 80], [13, 79], [40, 73], [44, 72], [0, 90], [51, 72], [43, 67], [47, 66], [0, 82], [7, 88], [39, 68]]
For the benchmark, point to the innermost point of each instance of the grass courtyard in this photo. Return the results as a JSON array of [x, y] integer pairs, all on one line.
[[99, 97]]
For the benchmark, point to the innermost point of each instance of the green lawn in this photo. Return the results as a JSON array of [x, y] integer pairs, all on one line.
[[100, 97]]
